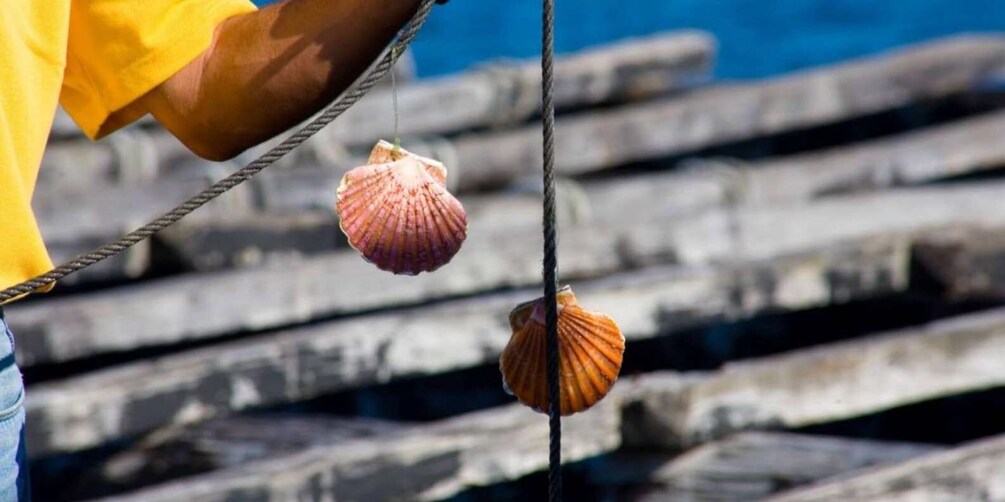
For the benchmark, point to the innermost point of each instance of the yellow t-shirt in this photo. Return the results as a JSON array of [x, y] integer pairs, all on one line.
[[95, 57]]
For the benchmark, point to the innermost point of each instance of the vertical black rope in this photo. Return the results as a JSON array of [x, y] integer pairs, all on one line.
[[550, 252]]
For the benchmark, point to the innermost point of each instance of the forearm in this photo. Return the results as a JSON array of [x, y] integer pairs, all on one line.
[[269, 70]]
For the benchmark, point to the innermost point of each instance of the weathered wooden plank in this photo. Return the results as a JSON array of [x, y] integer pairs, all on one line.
[[131, 263], [969, 472], [764, 231], [829, 383], [299, 363], [968, 262], [962, 147], [80, 213], [500, 95], [746, 466], [84, 221], [237, 440], [426, 463], [725, 114], [224, 443], [228, 241], [201, 306], [133, 155]]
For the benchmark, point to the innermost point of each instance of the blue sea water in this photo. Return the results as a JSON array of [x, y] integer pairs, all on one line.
[[756, 38]]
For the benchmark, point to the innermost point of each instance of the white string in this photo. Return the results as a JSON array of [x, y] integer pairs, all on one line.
[[394, 102]]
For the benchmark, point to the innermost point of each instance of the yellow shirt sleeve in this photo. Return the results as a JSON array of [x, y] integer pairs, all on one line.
[[118, 50]]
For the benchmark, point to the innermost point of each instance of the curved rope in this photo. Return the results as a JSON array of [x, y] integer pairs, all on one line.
[[349, 98]]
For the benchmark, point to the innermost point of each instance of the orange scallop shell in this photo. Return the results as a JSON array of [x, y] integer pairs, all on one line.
[[590, 352], [397, 212]]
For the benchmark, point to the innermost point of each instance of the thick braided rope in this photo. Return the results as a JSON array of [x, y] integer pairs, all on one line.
[[349, 98], [551, 252]]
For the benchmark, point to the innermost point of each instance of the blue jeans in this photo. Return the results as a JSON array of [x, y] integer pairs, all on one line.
[[14, 484]]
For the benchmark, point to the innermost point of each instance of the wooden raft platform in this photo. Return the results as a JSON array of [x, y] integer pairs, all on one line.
[[808, 270]]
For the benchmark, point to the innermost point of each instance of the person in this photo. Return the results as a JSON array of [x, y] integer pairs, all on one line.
[[220, 75]]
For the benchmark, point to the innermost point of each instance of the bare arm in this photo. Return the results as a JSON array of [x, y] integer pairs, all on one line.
[[269, 70]]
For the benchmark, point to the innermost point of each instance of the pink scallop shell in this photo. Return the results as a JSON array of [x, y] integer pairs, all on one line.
[[397, 212]]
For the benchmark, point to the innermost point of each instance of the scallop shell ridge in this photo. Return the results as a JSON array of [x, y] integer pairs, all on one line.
[[590, 346], [400, 216]]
